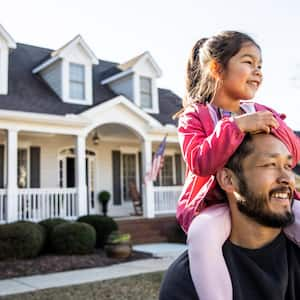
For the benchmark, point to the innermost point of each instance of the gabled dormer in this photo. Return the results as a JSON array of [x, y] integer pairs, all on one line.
[[6, 44], [136, 80], [69, 72]]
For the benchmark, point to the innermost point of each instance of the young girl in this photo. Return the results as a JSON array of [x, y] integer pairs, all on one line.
[[221, 71]]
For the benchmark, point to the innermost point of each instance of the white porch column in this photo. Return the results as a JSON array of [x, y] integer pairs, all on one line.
[[81, 175], [148, 202], [12, 165]]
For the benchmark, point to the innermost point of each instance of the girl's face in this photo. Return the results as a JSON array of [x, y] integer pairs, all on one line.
[[242, 76]]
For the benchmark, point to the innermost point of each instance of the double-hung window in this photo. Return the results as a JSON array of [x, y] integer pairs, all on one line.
[[146, 92], [77, 81]]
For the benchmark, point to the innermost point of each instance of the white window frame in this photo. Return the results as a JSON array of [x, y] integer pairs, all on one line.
[[148, 93], [74, 81]]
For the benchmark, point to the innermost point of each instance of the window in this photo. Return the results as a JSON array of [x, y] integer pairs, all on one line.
[[129, 174], [77, 82], [22, 168], [146, 92], [165, 176]]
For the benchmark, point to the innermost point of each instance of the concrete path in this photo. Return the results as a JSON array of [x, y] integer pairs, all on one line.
[[165, 254]]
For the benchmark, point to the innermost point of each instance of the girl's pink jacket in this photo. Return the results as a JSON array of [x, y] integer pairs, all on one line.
[[206, 144]]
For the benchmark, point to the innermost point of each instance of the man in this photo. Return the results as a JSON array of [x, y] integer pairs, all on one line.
[[263, 264]]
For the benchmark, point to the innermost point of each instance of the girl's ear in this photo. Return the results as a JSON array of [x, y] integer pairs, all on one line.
[[215, 69], [226, 180]]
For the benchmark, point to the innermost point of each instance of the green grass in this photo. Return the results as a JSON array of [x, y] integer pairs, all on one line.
[[139, 287]]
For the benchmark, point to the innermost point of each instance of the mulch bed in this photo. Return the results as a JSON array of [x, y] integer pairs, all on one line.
[[50, 263]]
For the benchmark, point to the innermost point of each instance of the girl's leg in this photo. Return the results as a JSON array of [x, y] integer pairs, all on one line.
[[206, 236], [293, 231]]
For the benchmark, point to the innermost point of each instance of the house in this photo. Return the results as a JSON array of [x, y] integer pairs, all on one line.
[[72, 125]]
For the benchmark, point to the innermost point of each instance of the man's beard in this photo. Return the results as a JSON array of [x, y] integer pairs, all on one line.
[[254, 206]]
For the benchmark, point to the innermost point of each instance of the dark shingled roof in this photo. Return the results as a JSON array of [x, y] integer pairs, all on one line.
[[29, 92]]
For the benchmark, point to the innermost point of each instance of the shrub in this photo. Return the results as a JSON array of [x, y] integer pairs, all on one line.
[[21, 240], [103, 225], [49, 225], [73, 238]]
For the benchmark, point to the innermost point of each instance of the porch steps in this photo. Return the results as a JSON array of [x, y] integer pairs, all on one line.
[[144, 231]]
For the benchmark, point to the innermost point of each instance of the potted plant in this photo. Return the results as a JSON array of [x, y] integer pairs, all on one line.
[[103, 198], [118, 245]]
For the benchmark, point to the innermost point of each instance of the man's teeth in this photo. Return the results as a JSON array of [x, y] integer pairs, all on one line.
[[281, 195]]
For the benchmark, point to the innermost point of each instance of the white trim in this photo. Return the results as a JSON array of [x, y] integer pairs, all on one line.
[[76, 40], [68, 119], [7, 37], [116, 76], [120, 100], [148, 56], [45, 64]]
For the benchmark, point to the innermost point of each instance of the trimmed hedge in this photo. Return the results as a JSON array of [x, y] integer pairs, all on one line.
[[21, 240], [73, 238], [49, 225], [103, 225]]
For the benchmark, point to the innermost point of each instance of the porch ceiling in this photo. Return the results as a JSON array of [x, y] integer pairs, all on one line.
[[115, 131]]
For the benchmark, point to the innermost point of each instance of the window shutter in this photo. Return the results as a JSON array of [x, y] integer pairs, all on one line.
[[141, 172], [116, 162], [35, 165], [1, 166], [178, 167]]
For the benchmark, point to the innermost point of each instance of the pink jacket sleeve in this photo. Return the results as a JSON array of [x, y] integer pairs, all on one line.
[[205, 149], [285, 134]]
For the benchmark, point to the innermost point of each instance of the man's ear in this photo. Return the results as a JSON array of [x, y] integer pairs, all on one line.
[[226, 180]]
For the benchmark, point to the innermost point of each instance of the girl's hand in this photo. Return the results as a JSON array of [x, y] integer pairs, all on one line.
[[261, 121]]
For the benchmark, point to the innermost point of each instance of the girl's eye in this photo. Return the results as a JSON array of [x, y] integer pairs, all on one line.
[[248, 62]]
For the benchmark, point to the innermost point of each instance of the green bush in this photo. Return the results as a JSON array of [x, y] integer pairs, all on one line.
[[73, 238], [103, 225], [21, 240], [49, 225]]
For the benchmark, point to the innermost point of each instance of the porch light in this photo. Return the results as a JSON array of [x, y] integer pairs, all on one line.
[[95, 138]]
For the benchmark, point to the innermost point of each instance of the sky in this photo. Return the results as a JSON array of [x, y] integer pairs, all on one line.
[[117, 30]]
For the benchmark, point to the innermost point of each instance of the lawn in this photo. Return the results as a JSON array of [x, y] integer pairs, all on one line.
[[139, 287]]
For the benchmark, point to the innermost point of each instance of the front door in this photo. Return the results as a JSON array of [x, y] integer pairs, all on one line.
[[67, 177]]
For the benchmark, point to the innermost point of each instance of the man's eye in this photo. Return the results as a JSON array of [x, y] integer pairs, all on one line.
[[269, 165]]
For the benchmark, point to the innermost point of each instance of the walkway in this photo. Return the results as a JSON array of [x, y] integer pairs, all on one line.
[[164, 252]]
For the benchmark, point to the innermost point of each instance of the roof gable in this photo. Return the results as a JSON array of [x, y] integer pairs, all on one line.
[[137, 64], [75, 42]]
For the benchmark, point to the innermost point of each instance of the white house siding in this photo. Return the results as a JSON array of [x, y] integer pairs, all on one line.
[[4, 51], [124, 86], [53, 76]]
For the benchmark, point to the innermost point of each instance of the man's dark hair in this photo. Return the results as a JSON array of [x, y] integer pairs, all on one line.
[[235, 161]]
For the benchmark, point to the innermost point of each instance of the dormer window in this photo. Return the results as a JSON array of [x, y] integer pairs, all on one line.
[[146, 92], [77, 81]]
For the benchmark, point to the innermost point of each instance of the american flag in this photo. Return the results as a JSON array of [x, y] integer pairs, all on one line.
[[157, 162]]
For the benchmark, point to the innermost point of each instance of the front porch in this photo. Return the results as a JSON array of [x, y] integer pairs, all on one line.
[[36, 204]]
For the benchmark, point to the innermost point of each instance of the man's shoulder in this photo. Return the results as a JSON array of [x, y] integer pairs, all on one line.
[[293, 250], [177, 283]]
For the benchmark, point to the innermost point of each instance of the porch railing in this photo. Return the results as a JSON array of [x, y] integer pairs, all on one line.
[[166, 198], [3, 206], [38, 204]]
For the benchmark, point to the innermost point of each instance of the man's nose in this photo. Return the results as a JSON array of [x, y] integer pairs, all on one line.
[[286, 177]]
